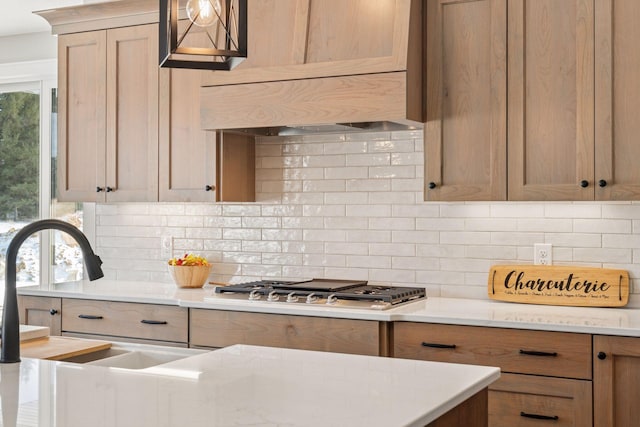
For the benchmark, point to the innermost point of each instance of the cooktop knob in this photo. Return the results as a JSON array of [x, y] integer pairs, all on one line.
[[273, 296], [311, 298], [332, 299], [255, 295], [292, 297]]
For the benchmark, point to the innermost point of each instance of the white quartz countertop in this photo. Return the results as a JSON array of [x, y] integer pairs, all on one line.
[[239, 386], [472, 312]]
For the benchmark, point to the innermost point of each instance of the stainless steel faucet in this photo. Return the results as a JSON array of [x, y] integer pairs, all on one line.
[[10, 346]]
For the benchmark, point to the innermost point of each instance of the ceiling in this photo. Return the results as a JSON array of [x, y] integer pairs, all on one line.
[[17, 16]]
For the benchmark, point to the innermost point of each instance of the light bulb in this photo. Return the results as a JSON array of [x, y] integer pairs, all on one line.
[[203, 12]]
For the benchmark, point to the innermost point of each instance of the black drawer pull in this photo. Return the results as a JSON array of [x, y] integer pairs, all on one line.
[[154, 322], [538, 353], [539, 417], [436, 345], [90, 317], [53, 312]]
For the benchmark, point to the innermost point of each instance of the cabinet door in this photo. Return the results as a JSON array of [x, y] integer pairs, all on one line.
[[304, 39], [617, 94], [81, 116], [530, 400], [214, 328], [187, 153], [616, 381], [41, 311], [132, 114], [551, 99], [465, 132]]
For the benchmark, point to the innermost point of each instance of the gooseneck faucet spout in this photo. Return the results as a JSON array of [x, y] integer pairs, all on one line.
[[10, 346]]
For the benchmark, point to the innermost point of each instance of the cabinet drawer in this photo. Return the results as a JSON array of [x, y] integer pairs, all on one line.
[[214, 328], [557, 354], [146, 321], [525, 400]]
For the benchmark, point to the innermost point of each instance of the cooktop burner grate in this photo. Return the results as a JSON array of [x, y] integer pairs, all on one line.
[[343, 290]]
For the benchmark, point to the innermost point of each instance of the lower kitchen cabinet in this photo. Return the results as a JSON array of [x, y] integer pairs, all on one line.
[[217, 328], [125, 321], [616, 381], [41, 311], [531, 400], [544, 374]]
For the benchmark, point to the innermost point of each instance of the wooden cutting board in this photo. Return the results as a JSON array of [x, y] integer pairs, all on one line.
[[559, 285], [60, 348]]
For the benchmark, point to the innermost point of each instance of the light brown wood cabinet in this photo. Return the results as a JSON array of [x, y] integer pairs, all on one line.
[[465, 132], [41, 311], [571, 98], [216, 328], [616, 381], [544, 374], [159, 323], [108, 115], [128, 131], [198, 165]]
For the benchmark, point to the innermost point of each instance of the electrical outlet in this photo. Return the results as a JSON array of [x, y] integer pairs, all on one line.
[[166, 247], [542, 254]]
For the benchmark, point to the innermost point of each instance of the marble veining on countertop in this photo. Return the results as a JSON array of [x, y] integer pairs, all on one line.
[[472, 312], [240, 386]]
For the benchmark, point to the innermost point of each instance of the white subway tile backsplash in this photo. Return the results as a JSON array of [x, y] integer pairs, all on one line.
[[368, 185], [261, 246], [602, 225], [371, 159], [548, 225], [324, 260], [392, 172], [348, 147], [350, 172], [350, 206]]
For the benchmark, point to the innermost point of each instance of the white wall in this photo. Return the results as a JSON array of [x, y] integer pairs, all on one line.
[[350, 206], [28, 47]]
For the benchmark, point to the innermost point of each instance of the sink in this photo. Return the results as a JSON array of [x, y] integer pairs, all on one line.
[[134, 356]]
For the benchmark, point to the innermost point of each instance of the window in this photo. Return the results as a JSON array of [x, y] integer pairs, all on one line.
[[28, 153]]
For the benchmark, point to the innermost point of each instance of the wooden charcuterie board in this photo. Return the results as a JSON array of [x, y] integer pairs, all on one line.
[[559, 285]]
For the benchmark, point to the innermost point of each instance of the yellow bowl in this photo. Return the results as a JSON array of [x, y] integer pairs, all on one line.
[[190, 276]]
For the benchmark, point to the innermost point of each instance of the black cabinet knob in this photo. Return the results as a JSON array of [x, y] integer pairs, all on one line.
[[109, 189], [584, 183], [602, 183], [209, 187], [53, 312], [432, 185], [602, 355], [99, 189]]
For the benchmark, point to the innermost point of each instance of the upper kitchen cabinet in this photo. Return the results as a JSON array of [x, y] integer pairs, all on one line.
[[320, 62], [108, 115], [617, 99], [198, 165], [551, 99], [571, 99], [129, 131], [465, 96]]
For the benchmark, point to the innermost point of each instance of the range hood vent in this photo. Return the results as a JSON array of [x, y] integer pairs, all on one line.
[[344, 66], [326, 128]]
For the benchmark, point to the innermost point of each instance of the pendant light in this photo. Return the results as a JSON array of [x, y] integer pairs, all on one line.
[[203, 34]]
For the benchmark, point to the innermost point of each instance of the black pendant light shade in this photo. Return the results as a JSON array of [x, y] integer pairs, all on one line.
[[203, 34]]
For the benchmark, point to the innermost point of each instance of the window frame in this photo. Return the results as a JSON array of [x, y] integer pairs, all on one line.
[[42, 75]]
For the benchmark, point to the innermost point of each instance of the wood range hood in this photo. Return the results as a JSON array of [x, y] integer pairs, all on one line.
[[318, 66]]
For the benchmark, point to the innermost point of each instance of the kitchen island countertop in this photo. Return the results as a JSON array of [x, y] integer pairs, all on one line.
[[471, 312], [239, 386]]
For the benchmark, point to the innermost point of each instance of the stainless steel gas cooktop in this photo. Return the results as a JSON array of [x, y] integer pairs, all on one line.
[[324, 292]]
